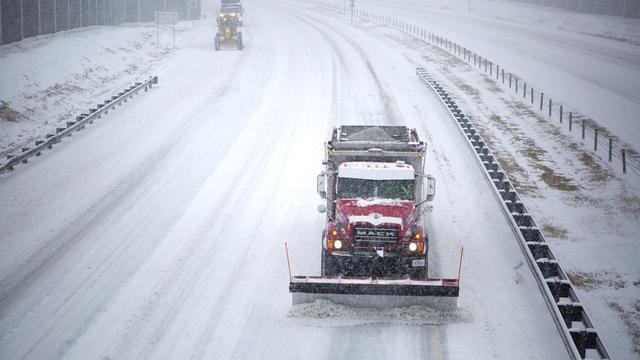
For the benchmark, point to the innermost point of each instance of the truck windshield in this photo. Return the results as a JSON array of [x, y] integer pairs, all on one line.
[[349, 188]]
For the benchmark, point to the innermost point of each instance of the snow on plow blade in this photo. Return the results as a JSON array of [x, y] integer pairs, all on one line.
[[375, 292]]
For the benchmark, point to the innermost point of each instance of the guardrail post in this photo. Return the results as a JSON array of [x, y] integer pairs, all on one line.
[[474, 59], [570, 120], [541, 100], [497, 72], [624, 161], [595, 139], [582, 129], [610, 148], [531, 96], [503, 76], [524, 89], [516, 85], [550, 107], [509, 80], [560, 113], [485, 64]]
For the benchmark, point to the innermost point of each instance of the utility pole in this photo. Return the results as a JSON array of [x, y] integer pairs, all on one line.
[[21, 19], [39, 19], [55, 17], [353, 6]]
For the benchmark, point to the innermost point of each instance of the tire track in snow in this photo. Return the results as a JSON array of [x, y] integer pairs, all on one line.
[[385, 100], [393, 118], [128, 190], [179, 287]]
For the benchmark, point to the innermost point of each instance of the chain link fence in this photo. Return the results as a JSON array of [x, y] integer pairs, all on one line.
[[21, 19], [626, 8]]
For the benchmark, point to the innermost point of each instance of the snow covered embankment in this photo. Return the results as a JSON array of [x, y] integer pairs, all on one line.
[[50, 79]]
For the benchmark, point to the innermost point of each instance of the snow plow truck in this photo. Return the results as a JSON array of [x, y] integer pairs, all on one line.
[[374, 246], [228, 33]]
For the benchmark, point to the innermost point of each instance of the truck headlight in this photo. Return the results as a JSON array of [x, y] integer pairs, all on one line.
[[337, 244], [413, 246]]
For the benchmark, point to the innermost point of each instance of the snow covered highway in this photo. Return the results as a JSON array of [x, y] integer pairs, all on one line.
[[158, 232]]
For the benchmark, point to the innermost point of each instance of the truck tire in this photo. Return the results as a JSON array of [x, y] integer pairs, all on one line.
[[239, 41]]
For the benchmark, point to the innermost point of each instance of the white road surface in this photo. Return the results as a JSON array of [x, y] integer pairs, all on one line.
[[159, 231]]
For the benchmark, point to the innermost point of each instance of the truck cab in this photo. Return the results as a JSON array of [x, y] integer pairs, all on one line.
[[376, 193]]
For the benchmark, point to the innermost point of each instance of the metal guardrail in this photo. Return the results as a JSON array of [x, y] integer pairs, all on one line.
[[578, 334], [78, 124]]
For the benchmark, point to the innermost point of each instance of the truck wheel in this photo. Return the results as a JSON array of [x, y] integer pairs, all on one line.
[[240, 45]]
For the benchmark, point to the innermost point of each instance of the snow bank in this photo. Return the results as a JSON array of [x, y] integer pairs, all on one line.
[[47, 80], [326, 313]]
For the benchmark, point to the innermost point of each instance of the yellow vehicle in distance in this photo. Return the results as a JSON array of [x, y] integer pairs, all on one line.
[[228, 33]]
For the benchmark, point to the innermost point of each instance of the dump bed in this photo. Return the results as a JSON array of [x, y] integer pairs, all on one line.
[[385, 138]]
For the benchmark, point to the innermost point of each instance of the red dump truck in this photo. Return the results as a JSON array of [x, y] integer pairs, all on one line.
[[375, 246]]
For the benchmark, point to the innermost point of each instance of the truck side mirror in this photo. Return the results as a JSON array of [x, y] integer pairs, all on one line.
[[321, 185], [431, 188]]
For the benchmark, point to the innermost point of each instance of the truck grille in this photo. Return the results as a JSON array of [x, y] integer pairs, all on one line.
[[371, 234]]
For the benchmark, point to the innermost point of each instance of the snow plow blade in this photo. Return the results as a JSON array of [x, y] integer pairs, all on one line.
[[375, 292]]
